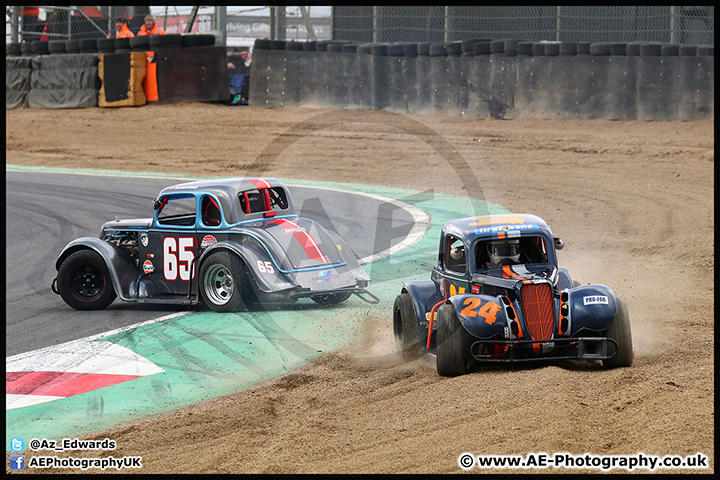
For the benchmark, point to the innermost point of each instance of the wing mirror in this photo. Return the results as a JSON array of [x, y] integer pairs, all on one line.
[[559, 243]]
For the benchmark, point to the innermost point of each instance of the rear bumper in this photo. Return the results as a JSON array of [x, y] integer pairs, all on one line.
[[565, 348]]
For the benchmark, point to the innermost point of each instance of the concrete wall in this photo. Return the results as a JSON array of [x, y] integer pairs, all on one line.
[[652, 86]]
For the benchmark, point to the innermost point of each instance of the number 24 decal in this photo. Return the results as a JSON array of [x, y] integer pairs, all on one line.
[[475, 307]]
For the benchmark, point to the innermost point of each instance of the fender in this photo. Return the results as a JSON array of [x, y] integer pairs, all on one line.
[[423, 295], [564, 279], [591, 307], [266, 281], [483, 316], [123, 272]]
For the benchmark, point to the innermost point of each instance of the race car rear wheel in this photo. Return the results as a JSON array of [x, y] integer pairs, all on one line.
[[405, 326], [84, 281], [620, 332], [223, 282], [453, 343], [328, 299]]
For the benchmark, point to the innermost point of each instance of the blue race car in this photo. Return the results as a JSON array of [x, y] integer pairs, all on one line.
[[241, 235], [498, 295]]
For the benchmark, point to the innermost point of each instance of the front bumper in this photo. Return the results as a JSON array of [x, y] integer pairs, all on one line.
[[564, 348]]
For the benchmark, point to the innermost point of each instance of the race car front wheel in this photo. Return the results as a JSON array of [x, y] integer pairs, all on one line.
[[223, 283], [405, 326], [84, 281], [620, 332], [453, 343]]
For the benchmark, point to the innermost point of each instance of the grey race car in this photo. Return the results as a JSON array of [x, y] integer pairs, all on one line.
[[227, 242]]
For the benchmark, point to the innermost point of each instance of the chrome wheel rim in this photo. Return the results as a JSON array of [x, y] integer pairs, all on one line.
[[218, 284]]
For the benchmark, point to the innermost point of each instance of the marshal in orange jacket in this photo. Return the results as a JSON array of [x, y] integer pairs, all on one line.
[[124, 32], [154, 31]]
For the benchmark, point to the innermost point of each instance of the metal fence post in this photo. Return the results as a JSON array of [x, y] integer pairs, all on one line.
[[14, 13]]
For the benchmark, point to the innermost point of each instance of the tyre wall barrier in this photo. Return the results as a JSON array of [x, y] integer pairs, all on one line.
[[187, 68], [555, 80], [17, 81], [64, 81]]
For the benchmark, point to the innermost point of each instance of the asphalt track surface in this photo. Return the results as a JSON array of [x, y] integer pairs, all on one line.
[[45, 211]]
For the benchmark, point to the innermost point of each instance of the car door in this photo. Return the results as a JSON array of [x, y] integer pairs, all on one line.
[[168, 256]]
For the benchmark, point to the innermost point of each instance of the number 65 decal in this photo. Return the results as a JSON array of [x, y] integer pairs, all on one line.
[[265, 267], [177, 257], [474, 307]]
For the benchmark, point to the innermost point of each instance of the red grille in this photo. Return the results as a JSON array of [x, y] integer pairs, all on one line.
[[537, 304]]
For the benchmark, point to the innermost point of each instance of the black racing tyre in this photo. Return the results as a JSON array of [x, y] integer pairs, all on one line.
[[294, 46], [349, 48], [105, 44], [328, 299], [84, 281], [438, 50], [454, 48], [139, 41], [633, 49], [396, 50], [364, 48], [379, 50], [538, 49], [650, 49], [26, 48], [122, 43], [600, 48], [171, 40], [199, 40], [618, 48], [307, 46], [224, 284], [72, 46], [497, 46], [481, 48], [511, 47], [620, 332], [13, 49], [670, 50], [687, 50], [468, 45], [423, 48], [524, 48], [583, 48], [705, 51], [552, 49], [568, 49], [39, 47], [88, 45], [405, 326], [261, 44], [334, 48], [453, 343], [57, 46]]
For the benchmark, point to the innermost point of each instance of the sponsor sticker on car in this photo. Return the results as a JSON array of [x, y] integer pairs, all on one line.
[[595, 300]]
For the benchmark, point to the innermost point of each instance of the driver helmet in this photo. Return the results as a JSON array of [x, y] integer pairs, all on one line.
[[504, 252]]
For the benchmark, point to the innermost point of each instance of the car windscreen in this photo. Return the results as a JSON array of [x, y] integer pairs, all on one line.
[[532, 250]]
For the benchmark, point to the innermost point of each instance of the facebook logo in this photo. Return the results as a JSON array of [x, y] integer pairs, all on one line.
[[17, 462], [17, 444]]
